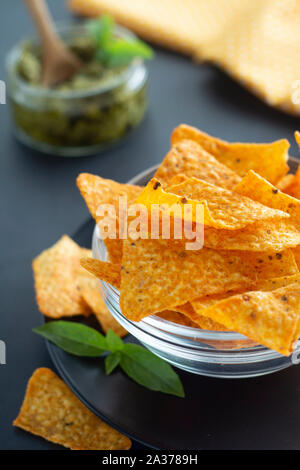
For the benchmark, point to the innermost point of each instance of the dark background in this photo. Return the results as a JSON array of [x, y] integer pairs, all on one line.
[[39, 201]]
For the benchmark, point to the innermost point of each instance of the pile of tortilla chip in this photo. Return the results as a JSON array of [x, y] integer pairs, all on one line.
[[246, 276]]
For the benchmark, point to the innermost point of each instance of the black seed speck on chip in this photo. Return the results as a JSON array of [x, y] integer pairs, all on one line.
[[278, 255], [275, 191], [184, 200], [156, 185], [284, 298]]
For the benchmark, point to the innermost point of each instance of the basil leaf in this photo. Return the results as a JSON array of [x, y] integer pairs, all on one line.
[[112, 361], [74, 338], [114, 342], [101, 30], [150, 371], [121, 52]]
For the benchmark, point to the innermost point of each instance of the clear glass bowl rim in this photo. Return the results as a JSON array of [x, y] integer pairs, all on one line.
[[65, 28]]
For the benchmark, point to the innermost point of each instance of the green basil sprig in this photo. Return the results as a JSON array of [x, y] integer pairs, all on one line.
[[138, 363], [115, 51]]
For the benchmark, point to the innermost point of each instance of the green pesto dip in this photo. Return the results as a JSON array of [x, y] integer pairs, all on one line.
[[97, 106]]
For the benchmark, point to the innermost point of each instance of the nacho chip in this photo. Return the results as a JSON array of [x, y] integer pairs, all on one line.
[[268, 160], [270, 318], [190, 159], [97, 191], [198, 307], [107, 272], [52, 411], [56, 273], [177, 317], [293, 189], [285, 182], [201, 321], [96, 303], [157, 277], [259, 189], [296, 252], [227, 209], [273, 235]]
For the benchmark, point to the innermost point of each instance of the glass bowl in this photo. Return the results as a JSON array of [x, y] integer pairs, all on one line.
[[211, 353], [76, 122]]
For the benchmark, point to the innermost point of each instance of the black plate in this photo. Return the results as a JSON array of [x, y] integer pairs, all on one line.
[[256, 413]]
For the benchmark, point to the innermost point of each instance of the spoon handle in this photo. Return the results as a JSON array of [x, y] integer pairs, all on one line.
[[42, 18]]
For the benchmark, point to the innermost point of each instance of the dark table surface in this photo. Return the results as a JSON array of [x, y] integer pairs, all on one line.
[[39, 200]]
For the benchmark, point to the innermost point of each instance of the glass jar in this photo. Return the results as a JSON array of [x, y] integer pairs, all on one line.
[[76, 122], [212, 353]]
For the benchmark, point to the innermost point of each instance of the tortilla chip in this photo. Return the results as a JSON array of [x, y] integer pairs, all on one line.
[[293, 189], [285, 182], [268, 160], [177, 317], [296, 252], [96, 303], [259, 189], [227, 209], [191, 159], [270, 318], [52, 411], [56, 274], [107, 272], [273, 235], [157, 277], [97, 191], [201, 321], [199, 306]]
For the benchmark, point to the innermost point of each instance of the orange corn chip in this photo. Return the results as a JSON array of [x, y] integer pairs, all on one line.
[[268, 160], [190, 159], [108, 272], [201, 321], [56, 273], [177, 317], [270, 318], [273, 235], [285, 182], [157, 277], [91, 293], [293, 189], [52, 411], [227, 209], [97, 191], [259, 189], [199, 306], [296, 252]]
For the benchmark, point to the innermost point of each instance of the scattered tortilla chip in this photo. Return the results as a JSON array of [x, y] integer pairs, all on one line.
[[98, 191], [56, 274], [96, 303], [157, 277], [268, 160], [107, 272], [52, 411], [270, 318], [190, 159], [177, 317], [227, 209]]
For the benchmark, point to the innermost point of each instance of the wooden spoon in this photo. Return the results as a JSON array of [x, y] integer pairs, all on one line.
[[59, 63]]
